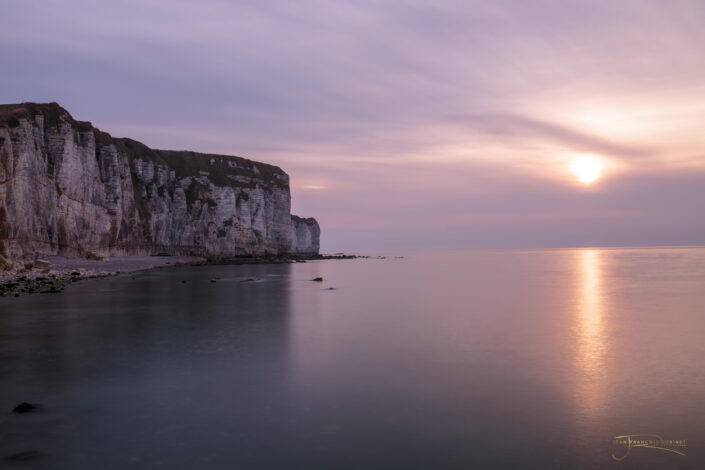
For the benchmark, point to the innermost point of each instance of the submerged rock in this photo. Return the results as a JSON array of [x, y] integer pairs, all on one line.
[[25, 407], [317, 279], [22, 456]]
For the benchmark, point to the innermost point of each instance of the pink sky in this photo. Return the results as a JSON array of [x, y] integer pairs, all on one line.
[[403, 124]]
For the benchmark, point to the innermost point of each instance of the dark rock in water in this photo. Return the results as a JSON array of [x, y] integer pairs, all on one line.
[[317, 279], [23, 456], [331, 288], [212, 280], [248, 280], [183, 281], [25, 407], [51, 290]]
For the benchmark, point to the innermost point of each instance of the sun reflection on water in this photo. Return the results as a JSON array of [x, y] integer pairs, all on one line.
[[590, 332]]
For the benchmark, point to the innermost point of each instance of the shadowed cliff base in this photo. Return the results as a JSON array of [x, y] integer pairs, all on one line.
[[69, 189]]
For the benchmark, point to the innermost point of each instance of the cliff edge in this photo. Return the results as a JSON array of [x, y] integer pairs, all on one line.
[[67, 188]]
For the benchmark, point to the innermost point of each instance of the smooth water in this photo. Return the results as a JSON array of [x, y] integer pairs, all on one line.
[[494, 359]]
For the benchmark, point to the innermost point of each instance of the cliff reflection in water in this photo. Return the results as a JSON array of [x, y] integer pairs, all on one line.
[[126, 368], [147, 324]]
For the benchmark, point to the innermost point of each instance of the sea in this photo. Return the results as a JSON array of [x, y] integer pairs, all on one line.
[[587, 358]]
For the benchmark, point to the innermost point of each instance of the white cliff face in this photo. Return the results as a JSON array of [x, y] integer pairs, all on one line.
[[67, 188], [305, 235]]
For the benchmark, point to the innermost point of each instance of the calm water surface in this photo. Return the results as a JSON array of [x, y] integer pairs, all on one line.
[[448, 360]]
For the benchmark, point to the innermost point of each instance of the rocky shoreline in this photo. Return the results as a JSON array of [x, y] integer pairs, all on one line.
[[53, 274], [51, 284]]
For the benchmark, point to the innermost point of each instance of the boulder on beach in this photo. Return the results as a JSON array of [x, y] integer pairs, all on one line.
[[41, 263], [5, 264], [95, 257]]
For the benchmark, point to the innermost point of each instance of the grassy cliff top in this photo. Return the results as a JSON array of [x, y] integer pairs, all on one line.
[[183, 162], [10, 114]]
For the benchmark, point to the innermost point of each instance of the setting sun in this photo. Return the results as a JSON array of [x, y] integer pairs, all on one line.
[[587, 169]]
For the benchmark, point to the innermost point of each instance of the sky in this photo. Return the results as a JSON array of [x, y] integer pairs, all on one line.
[[403, 124]]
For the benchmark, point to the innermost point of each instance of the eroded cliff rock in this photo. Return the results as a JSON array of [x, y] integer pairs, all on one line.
[[67, 188], [305, 235]]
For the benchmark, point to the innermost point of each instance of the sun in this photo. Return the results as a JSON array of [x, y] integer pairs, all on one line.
[[587, 169]]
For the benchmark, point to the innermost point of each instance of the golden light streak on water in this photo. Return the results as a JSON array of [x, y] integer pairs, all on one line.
[[591, 314]]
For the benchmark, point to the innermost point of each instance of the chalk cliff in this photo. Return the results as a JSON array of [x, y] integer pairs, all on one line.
[[67, 188]]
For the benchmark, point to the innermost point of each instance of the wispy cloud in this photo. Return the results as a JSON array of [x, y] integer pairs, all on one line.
[[507, 126]]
